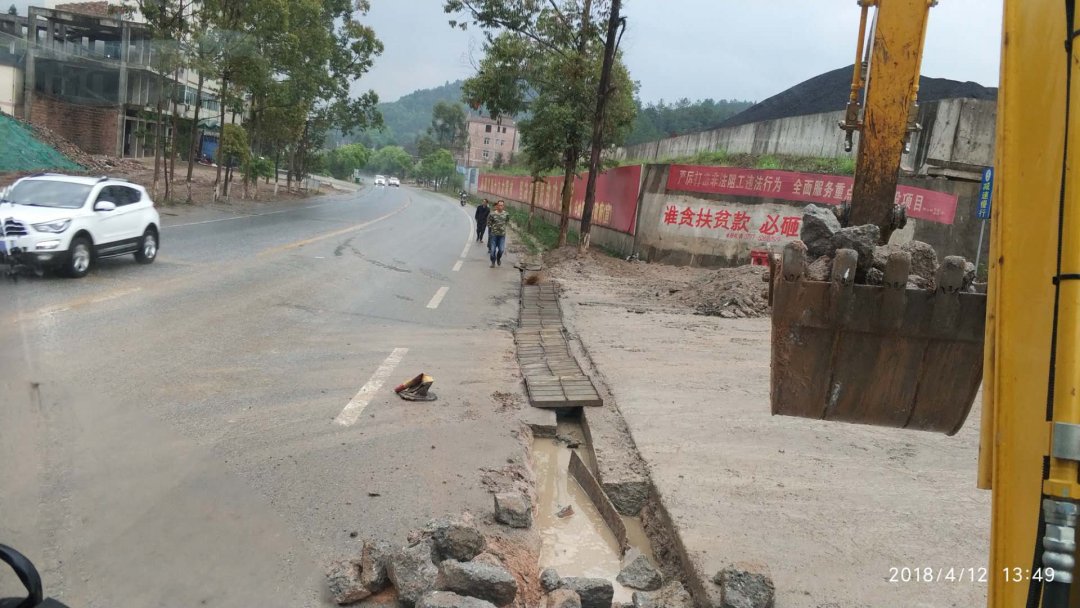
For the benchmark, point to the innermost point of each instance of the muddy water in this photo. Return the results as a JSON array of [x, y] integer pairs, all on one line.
[[580, 544]]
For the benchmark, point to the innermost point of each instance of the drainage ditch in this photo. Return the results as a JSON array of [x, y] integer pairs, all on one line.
[[581, 533]]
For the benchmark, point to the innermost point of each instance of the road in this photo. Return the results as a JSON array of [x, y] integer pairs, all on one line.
[[210, 429]]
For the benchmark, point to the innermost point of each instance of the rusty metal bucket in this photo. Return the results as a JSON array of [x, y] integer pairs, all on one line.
[[879, 355]]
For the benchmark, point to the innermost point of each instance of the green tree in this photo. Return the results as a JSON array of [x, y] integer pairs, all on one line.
[[233, 152], [545, 60], [343, 161], [12, 10], [426, 145], [439, 166], [448, 125], [392, 160]]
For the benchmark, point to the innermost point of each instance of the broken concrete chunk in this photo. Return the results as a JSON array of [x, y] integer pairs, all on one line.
[[923, 259], [373, 559], [458, 541], [628, 497], [449, 599], [639, 573], [745, 589], [673, 595], [549, 580], [512, 509], [818, 227], [594, 592], [914, 281], [488, 558], [820, 269], [875, 277], [492, 583], [863, 239], [412, 572], [343, 579], [563, 598], [882, 253]]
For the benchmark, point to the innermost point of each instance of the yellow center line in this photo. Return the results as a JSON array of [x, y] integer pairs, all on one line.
[[160, 286], [330, 235]]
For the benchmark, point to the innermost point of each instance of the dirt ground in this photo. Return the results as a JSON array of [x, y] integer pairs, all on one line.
[[141, 171], [830, 509], [731, 293]]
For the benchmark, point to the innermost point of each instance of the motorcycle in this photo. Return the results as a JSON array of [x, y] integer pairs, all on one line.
[[464, 198], [30, 578]]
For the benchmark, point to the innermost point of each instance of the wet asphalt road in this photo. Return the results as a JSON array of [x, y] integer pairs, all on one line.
[[168, 434]]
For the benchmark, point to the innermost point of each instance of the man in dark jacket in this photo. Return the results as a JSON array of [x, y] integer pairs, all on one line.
[[482, 213]]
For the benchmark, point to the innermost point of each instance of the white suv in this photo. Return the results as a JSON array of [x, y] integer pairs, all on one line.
[[380, 180], [67, 222]]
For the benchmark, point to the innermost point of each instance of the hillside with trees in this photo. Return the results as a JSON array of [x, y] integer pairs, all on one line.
[[405, 119], [661, 119]]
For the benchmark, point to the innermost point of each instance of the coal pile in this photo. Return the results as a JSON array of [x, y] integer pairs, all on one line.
[[828, 92]]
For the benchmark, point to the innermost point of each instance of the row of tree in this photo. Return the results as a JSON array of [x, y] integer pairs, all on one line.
[[557, 64], [661, 119], [285, 65]]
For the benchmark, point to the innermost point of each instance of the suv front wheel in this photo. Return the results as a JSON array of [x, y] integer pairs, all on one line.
[[80, 257], [148, 247]]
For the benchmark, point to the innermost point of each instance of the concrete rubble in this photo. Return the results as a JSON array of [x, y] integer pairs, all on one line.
[[639, 573], [352, 580], [594, 592], [449, 599], [491, 583], [443, 565], [818, 227], [549, 580], [343, 579], [863, 239], [673, 595], [458, 541], [413, 572], [745, 588], [513, 509], [563, 598]]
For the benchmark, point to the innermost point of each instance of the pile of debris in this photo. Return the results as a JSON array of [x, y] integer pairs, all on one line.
[[823, 236], [733, 293], [94, 163], [443, 566]]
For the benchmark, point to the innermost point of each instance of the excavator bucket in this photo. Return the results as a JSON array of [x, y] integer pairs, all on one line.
[[880, 355]]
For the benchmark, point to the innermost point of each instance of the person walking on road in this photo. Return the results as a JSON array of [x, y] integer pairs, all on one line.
[[482, 213], [497, 221]]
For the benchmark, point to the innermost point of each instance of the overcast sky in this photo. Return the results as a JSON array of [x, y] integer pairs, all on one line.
[[744, 49], [723, 49]]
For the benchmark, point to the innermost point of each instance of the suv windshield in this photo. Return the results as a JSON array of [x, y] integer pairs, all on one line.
[[49, 193]]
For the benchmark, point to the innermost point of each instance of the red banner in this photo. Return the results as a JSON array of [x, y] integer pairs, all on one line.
[[921, 204], [616, 195]]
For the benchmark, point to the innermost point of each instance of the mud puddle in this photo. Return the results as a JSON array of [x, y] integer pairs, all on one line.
[[579, 543]]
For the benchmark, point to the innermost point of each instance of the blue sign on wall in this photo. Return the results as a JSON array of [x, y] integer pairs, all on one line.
[[985, 194]]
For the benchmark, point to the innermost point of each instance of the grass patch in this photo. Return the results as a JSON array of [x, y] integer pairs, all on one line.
[[542, 235], [783, 162]]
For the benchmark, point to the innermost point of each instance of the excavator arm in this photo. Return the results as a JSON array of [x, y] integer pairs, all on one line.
[[877, 352], [888, 118]]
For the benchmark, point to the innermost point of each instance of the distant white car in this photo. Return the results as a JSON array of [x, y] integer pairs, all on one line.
[[380, 180], [395, 182], [68, 222]]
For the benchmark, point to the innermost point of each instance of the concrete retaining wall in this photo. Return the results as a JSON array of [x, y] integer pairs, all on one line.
[[701, 247], [957, 133]]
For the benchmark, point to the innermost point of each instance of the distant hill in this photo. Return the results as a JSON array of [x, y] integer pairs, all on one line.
[[828, 92], [405, 118]]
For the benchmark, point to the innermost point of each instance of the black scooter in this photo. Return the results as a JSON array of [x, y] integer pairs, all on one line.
[[30, 578], [464, 198]]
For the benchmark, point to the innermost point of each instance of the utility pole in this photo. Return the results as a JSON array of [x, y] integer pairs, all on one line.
[[603, 93]]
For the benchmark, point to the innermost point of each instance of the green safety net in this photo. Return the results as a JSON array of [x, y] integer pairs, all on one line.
[[21, 151]]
